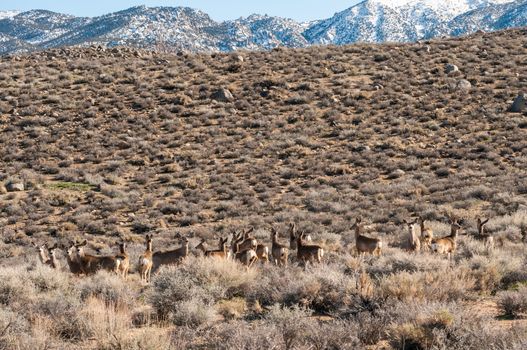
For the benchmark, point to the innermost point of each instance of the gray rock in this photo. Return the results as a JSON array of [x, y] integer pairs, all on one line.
[[451, 68], [14, 186], [519, 103], [222, 95], [463, 85]]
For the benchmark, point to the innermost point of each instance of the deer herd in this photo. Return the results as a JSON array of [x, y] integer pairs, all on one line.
[[246, 249]]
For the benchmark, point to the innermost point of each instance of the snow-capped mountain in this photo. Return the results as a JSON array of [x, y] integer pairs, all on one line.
[[512, 14], [392, 20], [181, 28]]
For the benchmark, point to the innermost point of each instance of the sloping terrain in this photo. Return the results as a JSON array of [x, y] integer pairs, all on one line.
[[312, 134], [113, 144]]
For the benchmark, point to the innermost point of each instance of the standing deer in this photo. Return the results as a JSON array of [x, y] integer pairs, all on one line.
[[90, 264], [220, 253], [246, 256], [487, 238], [366, 244], [414, 243], [243, 250], [171, 257], [246, 242], [73, 259], [279, 252], [447, 245], [48, 256], [146, 261], [427, 235], [123, 261], [308, 253], [293, 237], [42, 253]]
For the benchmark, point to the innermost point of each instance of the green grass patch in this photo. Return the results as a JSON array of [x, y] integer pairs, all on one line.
[[70, 186]]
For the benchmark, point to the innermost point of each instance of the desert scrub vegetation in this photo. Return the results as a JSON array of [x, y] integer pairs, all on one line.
[[109, 149]]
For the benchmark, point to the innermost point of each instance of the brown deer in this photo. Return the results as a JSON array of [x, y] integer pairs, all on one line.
[[247, 257], [220, 253], [73, 259], [90, 264], [427, 235], [366, 244], [171, 257], [279, 252], [293, 237], [308, 252], [447, 245], [48, 256], [262, 251], [123, 261], [414, 243], [247, 241], [487, 238], [146, 261]]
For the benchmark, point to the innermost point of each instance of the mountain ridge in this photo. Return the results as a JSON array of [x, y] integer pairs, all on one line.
[[188, 29]]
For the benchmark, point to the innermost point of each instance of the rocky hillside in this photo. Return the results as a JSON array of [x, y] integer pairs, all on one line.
[[184, 29], [109, 141]]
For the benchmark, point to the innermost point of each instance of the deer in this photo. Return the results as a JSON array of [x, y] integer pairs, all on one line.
[[220, 253], [73, 259], [262, 251], [42, 253], [366, 244], [246, 240], [90, 264], [293, 237], [146, 261], [308, 252], [427, 235], [247, 257], [487, 238], [171, 257], [447, 245], [414, 243], [279, 252], [123, 261], [48, 256]]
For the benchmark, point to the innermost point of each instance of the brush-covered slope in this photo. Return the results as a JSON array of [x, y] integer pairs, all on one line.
[[119, 141]]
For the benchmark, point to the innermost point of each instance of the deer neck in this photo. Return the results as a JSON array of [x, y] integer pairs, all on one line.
[[413, 233], [44, 258]]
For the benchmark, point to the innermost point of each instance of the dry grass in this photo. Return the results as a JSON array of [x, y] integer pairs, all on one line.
[[111, 148]]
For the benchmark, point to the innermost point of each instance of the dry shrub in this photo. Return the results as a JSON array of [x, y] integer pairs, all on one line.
[[196, 285], [445, 285], [108, 287], [323, 288], [513, 303], [16, 289]]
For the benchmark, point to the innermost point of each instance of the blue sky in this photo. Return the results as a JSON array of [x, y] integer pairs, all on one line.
[[217, 9]]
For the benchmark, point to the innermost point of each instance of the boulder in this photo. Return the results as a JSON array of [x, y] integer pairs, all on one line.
[[222, 95], [14, 186], [519, 103], [451, 68], [463, 85]]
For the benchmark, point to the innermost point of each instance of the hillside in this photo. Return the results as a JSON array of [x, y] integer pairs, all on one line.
[[113, 144]]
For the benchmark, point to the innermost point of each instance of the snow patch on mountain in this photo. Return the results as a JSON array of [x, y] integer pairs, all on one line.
[[182, 28]]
